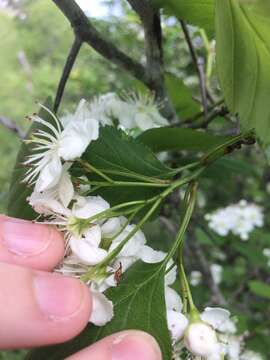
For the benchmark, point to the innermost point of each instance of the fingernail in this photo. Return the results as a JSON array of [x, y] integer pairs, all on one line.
[[58, 297], [135, 346], [25, 238]]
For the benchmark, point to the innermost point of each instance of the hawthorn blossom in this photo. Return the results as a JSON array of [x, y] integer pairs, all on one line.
[[53, 144], [201, 340], [134, 111], [102, 309], [219, 319], [145, 112], [177, 324]]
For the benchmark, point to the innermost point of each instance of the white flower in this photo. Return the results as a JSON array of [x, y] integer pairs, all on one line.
[[78, 133], [86, 207], [216, 272], [133, 246], [111, 227], [102, 309], [135, 111], [173, 299], [145, 111], [56, 199], [195, 278], [233, 346], [109, 106], [218, 318], [151, 256], [201, 340], [177, 324], [240, 219], [86, 247], [53, 143]]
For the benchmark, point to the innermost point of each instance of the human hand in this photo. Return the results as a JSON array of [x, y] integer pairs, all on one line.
[[41, 308]]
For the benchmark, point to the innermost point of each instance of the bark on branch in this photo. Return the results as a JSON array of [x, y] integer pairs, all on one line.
[[85, 31], [150, 18], [153, 74]]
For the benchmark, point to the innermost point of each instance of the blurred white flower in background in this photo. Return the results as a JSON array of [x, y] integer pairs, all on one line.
[[239, 219], [216, 272], [266, 252], [250, 355], [195, 278]]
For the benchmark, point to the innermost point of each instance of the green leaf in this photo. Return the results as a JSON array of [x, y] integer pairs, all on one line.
[[243, 61], [180, 96], [138, 304], [260, 289], [196, 12], [170, 138], [18, 193], [115, 152]]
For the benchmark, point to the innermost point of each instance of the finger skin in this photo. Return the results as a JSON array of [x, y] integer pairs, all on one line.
[[32, 245], [39, 308], [126, 345]]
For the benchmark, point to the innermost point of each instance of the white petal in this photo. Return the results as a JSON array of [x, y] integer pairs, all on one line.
[[170, 277], [111, 227], [125, 261], [89, 206], [102, 310], [133, 246], [93, 236], [65, 189], [218, 318], [44, 203], [151, 256], [201, 340], [87, 254], [49, 175], [173, 299], [83, 111], [177, 324]]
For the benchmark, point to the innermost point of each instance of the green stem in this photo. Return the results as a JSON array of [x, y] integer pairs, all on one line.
[[91, 168], [127, 183], [117, 250], [190, 198], [103, 264]]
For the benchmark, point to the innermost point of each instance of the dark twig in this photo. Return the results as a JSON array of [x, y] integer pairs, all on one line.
[[75, 48], [199, 66], [12, 126], [222, 111], [214, 111]]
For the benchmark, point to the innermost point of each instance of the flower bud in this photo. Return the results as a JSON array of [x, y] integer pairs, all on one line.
[[201, 340]]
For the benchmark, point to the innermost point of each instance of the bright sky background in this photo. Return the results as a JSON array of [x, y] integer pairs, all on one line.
[[95, 8]]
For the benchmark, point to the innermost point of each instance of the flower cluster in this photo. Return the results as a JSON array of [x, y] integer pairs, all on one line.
[[102, 244], [239, 219], [134, 113], [99, 246], [211, 335]]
